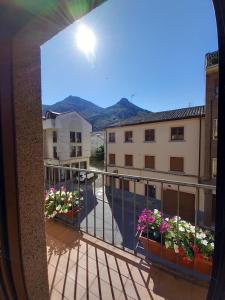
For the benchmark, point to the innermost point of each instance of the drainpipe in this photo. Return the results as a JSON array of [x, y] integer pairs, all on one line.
[[199, 148]]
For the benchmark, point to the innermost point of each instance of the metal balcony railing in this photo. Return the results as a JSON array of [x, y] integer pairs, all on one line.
[[109, 212]]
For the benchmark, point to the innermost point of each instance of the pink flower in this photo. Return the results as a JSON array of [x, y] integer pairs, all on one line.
[[164, 227], [151, 219], [52, 190]]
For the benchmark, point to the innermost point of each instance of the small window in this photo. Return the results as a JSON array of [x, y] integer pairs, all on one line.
[[177, 133], [72, 137], [55, 154], [83, 165], [112, 137], [79, 151], [214, 167], [215, 129], [149, 162], [128, 136], [177, 164], [73, 151], [150, 190], [112, 159], [79, 137], [149, 135], [54, 136], [128, 160], [125, 184]]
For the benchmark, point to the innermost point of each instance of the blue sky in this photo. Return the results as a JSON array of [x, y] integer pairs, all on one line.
[[151, 49]]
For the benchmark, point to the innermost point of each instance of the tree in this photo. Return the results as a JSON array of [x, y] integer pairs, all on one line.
[[100, 153]]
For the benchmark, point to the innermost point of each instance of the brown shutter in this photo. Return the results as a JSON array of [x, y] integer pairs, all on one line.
[[149, 135], [150, 162], [177, 164], [126, 184], [128, 160], [112, 159]]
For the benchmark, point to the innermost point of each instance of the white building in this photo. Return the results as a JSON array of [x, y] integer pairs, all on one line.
[[166, 145], [66, 139]]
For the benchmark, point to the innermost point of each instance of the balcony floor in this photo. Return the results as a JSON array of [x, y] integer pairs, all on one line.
[[82, 267]]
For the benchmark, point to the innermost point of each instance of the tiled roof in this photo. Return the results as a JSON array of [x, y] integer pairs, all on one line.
[[176, 114]]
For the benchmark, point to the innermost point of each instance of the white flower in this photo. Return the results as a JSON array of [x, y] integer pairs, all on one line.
[[192, 228], [167, 219], [172, 233], [58, 207], [156, 211], [176, 248], [167, 244], [212, 245], [204, 242], [181, 229]]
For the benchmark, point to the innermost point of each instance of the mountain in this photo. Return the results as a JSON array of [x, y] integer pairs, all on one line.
[[99, 117], [73, 103], [122, 110]]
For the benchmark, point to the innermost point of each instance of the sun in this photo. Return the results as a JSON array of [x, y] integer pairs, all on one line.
[[85, 39]]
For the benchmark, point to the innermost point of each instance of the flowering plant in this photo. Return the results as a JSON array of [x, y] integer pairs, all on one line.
[[185, 239], [60, 202], [203, 244]]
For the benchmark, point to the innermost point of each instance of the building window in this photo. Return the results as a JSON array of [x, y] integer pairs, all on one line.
[[54, 136], [83, 165], [79, 137], [73, 151], [177, 133], [149, 135], [177, 164], [55, 155], [214, 167], [72, 137], [128, 136], [150, 190], [112, 159], [215, 129], [112, 137], [79, 151], [128, 160], [125, 184], [149, 162]]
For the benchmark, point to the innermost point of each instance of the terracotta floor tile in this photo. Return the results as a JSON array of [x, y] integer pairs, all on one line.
[[104, 290], [79, 269], [69, 289], [55, 295], [54, 276]]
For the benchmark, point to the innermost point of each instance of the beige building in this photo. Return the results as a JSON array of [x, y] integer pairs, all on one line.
[[166, 145], [66, 139]]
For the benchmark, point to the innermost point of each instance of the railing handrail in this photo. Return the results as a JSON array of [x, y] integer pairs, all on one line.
[[138, 178]]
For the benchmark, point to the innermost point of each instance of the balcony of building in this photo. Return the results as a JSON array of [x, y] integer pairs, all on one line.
[[97, 253]]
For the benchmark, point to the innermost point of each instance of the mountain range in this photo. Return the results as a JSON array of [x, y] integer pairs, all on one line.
[[99, 117]]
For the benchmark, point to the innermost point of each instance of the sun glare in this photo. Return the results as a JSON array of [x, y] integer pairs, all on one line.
[[86, 39]]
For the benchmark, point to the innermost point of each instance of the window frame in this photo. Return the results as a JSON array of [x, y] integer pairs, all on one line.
[[110, 134], [176, 135], [110, 156], [177, 157], [54, 137], [129, 139], [74, 151], [151, 157], [150, 140], [55, 152], [72, 137], [125, 160]]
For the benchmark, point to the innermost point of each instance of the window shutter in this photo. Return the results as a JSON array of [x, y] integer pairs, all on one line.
[[177, 164]]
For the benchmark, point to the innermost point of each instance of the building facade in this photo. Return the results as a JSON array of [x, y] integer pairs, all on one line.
[[211, 123], [166, 145], [66, 139]]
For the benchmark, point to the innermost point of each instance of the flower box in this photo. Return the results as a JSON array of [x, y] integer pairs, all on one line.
[[203, 266], [153, 247], [150, 245], [186, 263], [71, 217]]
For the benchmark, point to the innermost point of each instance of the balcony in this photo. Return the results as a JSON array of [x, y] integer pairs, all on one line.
[[83, 267], [96, 253]]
